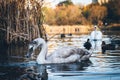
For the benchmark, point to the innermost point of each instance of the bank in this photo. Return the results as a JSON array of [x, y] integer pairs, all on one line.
[[68, 29]]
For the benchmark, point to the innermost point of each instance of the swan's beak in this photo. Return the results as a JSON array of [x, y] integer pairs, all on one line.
[[30, 51]]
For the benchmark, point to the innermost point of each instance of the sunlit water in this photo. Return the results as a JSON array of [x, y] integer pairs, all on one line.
[[14, 66]]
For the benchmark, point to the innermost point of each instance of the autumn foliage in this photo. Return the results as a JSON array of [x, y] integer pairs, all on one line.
[[72, 15], [95, 13], [63, 15]]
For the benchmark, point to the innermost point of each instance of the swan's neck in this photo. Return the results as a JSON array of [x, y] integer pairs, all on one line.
[[42, 55]]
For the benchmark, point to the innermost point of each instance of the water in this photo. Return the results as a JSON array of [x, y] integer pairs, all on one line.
[[14, 66]]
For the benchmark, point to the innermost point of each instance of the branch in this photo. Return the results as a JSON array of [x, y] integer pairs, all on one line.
[[22, 35]]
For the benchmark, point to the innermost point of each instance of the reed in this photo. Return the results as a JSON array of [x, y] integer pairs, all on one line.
[[21, 20]]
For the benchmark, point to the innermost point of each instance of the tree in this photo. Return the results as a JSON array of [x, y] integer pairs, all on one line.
[[64, 15], [49, 16], [65, 3], [69, 15], [113, 11], [95, 13]]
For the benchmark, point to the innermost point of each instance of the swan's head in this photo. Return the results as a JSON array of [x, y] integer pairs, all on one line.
[[32, 46]]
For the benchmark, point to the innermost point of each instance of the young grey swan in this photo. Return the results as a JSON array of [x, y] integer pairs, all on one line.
[[61, 55]]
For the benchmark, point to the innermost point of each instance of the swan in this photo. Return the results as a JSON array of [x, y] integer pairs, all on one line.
[[61, 55]]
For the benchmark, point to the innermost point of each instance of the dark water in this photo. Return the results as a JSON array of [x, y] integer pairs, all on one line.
[[14, 65]]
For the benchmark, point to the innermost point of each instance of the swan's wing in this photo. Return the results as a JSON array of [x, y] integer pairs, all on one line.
[[68, 54], [84, 54], [65, 55], [65, 52]]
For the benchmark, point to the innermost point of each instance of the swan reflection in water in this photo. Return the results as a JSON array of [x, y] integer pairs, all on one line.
[[41, 72], [61, 55]]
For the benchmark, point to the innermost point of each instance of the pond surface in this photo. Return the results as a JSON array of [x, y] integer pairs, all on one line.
[[14, 66]]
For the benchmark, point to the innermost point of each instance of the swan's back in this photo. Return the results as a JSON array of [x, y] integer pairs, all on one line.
[[66, 52]]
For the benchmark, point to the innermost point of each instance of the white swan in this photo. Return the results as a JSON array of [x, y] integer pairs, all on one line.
[[62, 55]]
